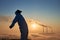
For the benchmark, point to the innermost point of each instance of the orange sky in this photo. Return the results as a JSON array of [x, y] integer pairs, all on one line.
[[33, 26]]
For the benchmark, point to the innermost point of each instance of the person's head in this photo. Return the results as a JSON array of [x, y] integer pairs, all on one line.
[[18, 12]]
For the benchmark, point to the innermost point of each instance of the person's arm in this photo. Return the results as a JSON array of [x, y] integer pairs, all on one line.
[[13, 22]]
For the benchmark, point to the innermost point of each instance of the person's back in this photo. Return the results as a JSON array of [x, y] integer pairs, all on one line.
[[22, 25]]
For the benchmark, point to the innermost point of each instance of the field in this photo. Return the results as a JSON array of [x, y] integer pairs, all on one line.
[[32, 36]]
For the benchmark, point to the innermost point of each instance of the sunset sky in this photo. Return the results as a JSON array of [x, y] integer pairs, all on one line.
[[45, 11]]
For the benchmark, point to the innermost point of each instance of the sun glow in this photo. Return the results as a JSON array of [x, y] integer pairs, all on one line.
[[34, 25]]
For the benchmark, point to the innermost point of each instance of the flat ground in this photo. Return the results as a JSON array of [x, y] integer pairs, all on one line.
[[32, 37]]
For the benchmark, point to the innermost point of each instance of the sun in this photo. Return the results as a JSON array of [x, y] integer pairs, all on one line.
[[34, 25]]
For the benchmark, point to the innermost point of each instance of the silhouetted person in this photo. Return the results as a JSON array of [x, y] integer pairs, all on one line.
[[22, 25]]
